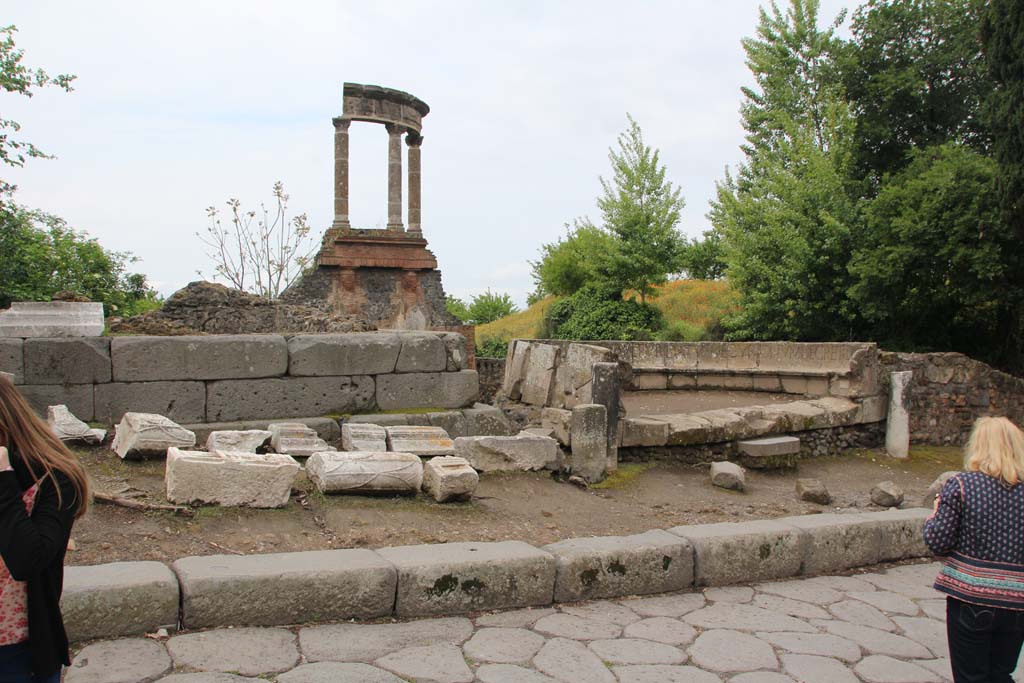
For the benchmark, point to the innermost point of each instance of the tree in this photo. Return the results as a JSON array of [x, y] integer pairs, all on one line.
[[19, 79], [599, 312], [640, 208], [261, 252], [457, 307], [573, 261], [488, 307], [704, 257]]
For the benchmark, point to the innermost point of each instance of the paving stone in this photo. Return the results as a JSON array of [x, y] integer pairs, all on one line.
[[666, 606], [801, 590], [841, 583], [637, 651], [729, 594], [119, 661], [441, 663], [611, 612], [208, 678], [761, 677], [662, 630], [857, 612], [888, 601], [928, 632], [874, 641], [881, 669], [336, 672], [936, 609], [517, 618], [794, 608], [367, 642], [942, 668], [731, 651], [577, 628], [660, 673], [503, 645], [745, 618], [510, 673], [247, 651], [571, 662], [823, 644], [907, 587], [923, 574], [813, 669]]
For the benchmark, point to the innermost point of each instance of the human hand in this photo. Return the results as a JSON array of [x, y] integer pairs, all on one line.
[[935, 506]]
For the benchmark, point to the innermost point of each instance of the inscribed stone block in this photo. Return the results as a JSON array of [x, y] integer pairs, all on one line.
[[219, 356]]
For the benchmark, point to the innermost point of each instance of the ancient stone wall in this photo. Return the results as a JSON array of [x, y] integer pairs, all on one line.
[[220, 378], [950, 391], [491, 372]]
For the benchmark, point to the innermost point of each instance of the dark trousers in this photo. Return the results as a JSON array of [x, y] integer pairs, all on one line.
[[984, 642], [16, 666]]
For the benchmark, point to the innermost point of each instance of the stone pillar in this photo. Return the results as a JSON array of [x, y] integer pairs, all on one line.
[[395, 177], [341, 219], [897, 428], [605, 390], [414, 140], [589, 437]]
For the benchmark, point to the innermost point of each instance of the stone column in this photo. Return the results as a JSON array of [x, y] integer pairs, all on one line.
[[605, 389], [395, 177], [341, 173], [897, 427], [414, 140]]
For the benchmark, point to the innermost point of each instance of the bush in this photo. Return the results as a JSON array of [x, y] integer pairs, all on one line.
[[594, 313], [494, 347], [681, 331]]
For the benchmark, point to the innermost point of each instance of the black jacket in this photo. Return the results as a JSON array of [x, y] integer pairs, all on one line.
[[33, 549]]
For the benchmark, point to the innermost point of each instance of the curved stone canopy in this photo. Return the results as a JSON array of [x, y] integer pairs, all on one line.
[[383, 105]]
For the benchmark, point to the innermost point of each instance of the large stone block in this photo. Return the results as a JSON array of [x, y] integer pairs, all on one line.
[[427, 390], [82, 360], [244, 440], [539, 374], [873, 409], [558, 421], [180, 401], [424, 441], [141, 434], [52, 319], [363, 437], [67, 427], [523, 452], [12, 358], [235, 479], [326, 428], [834, 542], [455, 349], [295, 438], [901, 533], [742, 552], [455, 578], [218, 356], [448, 478], [589, 429], [573, 376], [643, 431], [355, 472], [770, 452], [515, 369], [284, 588], [485, 420], [234, 399], [684, 429], [615, 566], [421, 352], [453, 422], [360, 353], [77, 397], [118, 599]]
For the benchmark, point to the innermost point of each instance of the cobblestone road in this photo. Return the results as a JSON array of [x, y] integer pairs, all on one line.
[[880, 627]]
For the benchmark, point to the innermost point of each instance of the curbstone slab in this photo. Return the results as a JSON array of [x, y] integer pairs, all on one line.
[[901, 533], [220, 356], [617, 566], [284, 588], [358, 353], [12, 358], [735, 552], [118, 599], [427, 390], [421, 352], [179, 401], [455, 578], [643, 431], [833, 542], [77, 397], [286, 397], [75, 360]]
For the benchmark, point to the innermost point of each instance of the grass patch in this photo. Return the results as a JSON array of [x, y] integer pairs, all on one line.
[[624, 476]]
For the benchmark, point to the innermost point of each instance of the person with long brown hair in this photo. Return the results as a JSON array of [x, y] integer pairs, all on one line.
[[43, 490]]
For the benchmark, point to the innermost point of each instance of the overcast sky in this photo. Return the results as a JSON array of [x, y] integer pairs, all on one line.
[[180, 105]]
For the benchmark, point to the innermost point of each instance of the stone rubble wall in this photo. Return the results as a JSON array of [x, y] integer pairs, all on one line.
[[491, 372], [950, 391], [131, 598], [222, 378]]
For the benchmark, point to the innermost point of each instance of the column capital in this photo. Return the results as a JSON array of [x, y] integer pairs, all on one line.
[[413, 139], [341, 123], [394, 128]]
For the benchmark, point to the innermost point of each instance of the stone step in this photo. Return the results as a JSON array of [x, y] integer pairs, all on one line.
[[769, 453]]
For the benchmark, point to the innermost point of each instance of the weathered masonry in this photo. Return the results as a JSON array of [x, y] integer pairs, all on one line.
[[224, 378], [386, 277]]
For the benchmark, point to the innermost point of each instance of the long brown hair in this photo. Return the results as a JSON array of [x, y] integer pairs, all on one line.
[[38, 447]]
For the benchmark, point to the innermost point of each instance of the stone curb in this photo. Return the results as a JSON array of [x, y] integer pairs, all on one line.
[[131, 598]]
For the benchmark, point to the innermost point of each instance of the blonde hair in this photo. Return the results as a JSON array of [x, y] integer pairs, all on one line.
[[996, 447]]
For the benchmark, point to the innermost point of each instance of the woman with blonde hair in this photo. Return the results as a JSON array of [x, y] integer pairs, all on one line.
[[43, 490], [978, 524]]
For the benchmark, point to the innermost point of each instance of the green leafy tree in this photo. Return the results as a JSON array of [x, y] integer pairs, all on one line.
[[640, 209], [704, 257], [489, 306], [570, 263], [457, 307], [599, 312]]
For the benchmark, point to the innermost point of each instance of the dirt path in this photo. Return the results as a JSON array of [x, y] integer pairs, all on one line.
[[530, 506]]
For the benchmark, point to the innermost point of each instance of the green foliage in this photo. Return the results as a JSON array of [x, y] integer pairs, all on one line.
[[487, 307], [457, 307], [932, 260], [494, 347], [597, 313], [573, 261], [681, 330], [40, 256], [703, 258]]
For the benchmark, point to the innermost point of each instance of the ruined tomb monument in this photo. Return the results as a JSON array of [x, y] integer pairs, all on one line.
[[386, 277]]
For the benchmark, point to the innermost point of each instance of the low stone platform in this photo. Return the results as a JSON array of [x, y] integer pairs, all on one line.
[[880, 626]]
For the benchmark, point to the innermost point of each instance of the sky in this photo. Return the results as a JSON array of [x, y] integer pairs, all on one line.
[[179, 106]]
